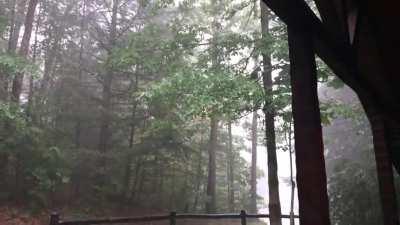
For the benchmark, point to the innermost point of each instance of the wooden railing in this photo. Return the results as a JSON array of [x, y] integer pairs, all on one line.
[[172, 217]]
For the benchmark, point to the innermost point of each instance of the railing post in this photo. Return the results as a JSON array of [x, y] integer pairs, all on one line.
[[243, 217], [292, 218], [54, 218], [172, 218]]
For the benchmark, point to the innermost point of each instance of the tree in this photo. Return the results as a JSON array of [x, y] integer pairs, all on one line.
[[219, 95], [136, 92], [17, 16], [211, 203], [253, 182], [269, 112], [24, 49], [230, 174], [351, 168]]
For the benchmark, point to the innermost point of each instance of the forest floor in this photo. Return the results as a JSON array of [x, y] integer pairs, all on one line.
[[13, 216]]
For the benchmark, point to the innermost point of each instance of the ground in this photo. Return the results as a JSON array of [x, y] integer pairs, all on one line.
[[13, 216]]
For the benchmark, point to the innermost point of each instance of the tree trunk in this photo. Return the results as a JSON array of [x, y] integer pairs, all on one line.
[[52, 53], [172, 197], [212, 170], [35, 53], [184, 191], [77, 179], [253, 174], [383, 164], [198, 178], [160, 184], [273, 182], [231, 191], [49, 64], [19, 191], [292, 183], [128, 165], [211, 181], [106, 104], [15, 25], [18, 180], [17, 16], [310, 162], [141, 180], [136, 180], [24, 50]]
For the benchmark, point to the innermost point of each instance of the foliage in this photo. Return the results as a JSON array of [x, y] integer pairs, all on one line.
[[42, 165], [207, 94], [331, 110], [12, 65], [3, 24], [119, 110], [156, 48], [353, 190], [351, 169]]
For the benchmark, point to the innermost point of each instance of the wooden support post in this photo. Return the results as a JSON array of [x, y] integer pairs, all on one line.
[[310, 162], [243, 217], [172, 218], [54, 218], [384, 169]]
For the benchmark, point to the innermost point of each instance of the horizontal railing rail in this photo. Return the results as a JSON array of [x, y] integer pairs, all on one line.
[[172, 217]]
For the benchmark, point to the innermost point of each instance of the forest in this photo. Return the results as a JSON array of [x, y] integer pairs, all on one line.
[[136, 107]]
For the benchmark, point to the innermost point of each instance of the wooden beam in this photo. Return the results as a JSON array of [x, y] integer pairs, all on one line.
[[310, 162], [341, 57], [336, 53], [333, 18], [373, 67]]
